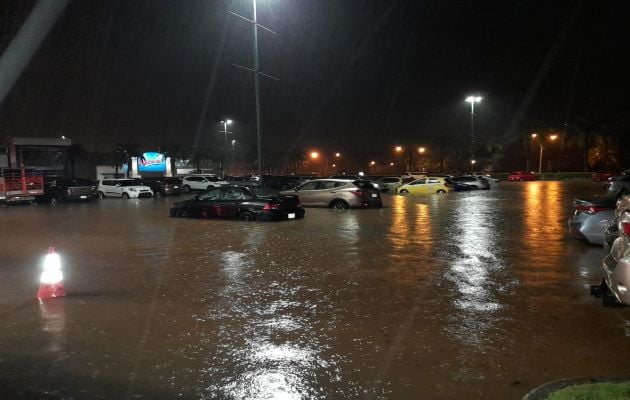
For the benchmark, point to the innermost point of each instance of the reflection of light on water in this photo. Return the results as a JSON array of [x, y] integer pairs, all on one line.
[[265, 336], [543, 228], [472, 271], [406, 232], [54, 323]]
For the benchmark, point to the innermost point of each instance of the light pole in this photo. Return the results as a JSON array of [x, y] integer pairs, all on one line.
[[472, 100], [233, 145], [540, 157], [225, 132]]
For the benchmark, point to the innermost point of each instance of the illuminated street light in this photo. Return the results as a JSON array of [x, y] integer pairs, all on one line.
[[540, 157], [314, 155], [398, 149], [391, 164], [472, 100], [372, 163], [337, 155], [421, 150]]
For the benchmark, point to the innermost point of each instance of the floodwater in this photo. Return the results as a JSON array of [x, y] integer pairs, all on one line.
[[461, 296]]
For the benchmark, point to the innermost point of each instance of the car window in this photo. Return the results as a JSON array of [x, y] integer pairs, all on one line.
[[323, 185], [340, 184], [210, 195], [433, 181], [308, 186], [419, 182]]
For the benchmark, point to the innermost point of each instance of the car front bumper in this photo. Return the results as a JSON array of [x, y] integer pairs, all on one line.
[[140, 195]]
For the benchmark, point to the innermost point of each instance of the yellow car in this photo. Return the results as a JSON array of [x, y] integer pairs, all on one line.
[[424, 186]]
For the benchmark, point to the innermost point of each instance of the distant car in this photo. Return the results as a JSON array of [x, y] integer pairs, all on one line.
[[457, 186], [616, 285], [492, 181], [424, 186], [390, 183], [356, 178], [472, 181], [282, 182], [124, 188], [521, 176], [338, 193], [163, 185], [601, 176], [65, 190], [201, 182], [591, 217], [239, 202]]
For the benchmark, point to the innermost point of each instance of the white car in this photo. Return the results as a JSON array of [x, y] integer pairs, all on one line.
[[124, 188], [201, 182], [390, 183]]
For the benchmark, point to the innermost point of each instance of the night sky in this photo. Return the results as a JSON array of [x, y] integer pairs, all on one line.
[[355, 76]]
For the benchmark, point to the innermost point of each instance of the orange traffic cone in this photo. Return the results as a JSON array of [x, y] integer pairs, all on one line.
[[51, 281]]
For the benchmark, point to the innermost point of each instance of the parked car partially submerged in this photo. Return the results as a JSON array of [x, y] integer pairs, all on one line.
[[591, 217], [124, 188], [615, 286], [240, 202], [521, 176], [338, 193], [58, 190], [424, 186]]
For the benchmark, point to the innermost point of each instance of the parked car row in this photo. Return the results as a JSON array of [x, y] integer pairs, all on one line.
[[615, 287]]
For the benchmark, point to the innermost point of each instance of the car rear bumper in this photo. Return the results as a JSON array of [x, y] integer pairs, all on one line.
[[590, 227]]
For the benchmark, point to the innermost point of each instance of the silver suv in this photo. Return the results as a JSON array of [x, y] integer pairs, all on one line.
[[338, 193], [616, 284]]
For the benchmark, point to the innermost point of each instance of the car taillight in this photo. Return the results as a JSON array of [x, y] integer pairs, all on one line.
[[626, 228], [590, 209], [270, 206], [359, 193]]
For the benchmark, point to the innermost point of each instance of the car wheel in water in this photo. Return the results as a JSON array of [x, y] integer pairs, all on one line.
[[339, 205], [125, 196], [157, 194], [246, 216], [186, 189], [403, 192], [101, 195], [210, 187], [181, 214], [441, 191]]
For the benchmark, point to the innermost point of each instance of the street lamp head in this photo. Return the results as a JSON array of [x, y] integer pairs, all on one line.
[[233, 142], [553, 137], [398, 149], [473, 162], [314, 155], [334, 165], [372, 162], [391, 164], [421, 150], [337, 154], [534, 135], [229, 121], [473, 99]]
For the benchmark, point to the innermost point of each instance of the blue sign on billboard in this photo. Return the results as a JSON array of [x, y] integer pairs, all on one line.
[[152, 162]]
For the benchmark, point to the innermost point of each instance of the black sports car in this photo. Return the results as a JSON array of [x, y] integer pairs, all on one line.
[[240, 202]]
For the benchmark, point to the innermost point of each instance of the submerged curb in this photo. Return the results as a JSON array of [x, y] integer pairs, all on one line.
[[543, 391]]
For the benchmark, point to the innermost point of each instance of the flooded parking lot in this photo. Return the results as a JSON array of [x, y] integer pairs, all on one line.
[[465, 295]]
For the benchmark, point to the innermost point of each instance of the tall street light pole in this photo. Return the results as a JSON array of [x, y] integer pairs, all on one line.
[[472, 100], [257, 72], [540, 157]]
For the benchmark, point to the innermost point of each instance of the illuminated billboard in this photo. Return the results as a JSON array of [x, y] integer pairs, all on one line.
[[152, 162]]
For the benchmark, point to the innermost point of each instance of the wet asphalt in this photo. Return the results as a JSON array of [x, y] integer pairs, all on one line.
[[478, 295]]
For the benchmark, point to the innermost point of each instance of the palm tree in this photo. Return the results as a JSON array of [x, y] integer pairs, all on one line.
[[129, 150], [175, 152]]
